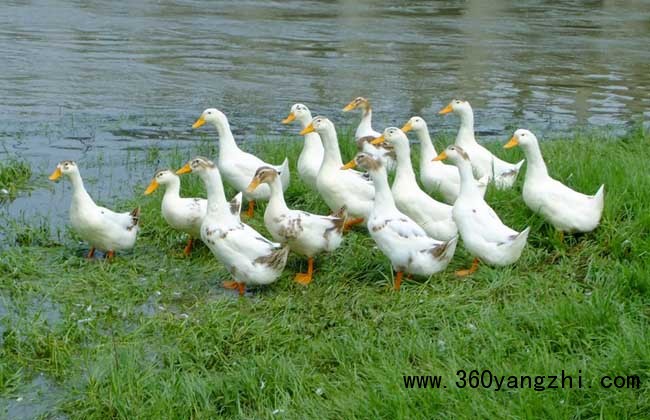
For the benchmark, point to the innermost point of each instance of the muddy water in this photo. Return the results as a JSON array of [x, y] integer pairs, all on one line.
[[87, 80]]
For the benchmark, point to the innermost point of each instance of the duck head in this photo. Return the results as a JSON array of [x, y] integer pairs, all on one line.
[[457, 106], [393, 136], [298, 112], [365, 161], [162, 177], [359, 102], [454, 154], [197, 165], [416, 124], [65, 167], [263, 175], [523, 138], [319, 125], [211, 115]]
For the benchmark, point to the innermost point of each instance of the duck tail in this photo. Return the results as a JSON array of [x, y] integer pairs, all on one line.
[[285, 175], [445, 251], [600, 198]]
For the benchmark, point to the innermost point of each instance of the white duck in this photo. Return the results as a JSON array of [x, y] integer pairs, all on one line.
[[436, 176], [567, 210], [250, 258], [403, 241], [484, 162], [340, 189], [237, 166], [484, 234], [433, 216], [183, 214], [306, 234], [102, 228], [311, 156], [365, 134]]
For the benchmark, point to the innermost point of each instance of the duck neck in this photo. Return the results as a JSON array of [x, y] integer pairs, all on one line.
[[535, 161], [217, 202], [466, 130], [404, 173], [332, 154], [383, 196], [366, 122], [427, 151], [276, 201], [79, 192], [226, 139], [312, 140], [468, 185], [172, 189]]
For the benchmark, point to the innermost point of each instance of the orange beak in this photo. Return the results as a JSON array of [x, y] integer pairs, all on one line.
[[446, 110], [441, 156], [198, 123], [254, 183], [378, 140], [512, 143], [56, 174], [184, 170], [349, 107], [309, 129], [290, 118], [152, 187], [407, 127], [351, 164]]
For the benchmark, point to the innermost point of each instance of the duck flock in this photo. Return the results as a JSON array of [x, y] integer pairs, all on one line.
[[417, 233]]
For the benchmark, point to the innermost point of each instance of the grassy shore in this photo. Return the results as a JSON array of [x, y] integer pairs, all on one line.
[[153, 335]]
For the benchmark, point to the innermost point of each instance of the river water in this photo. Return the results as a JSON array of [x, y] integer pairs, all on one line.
[[80, 79]]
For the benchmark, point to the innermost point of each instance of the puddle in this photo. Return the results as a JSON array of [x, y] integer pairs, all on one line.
[[37, 399]]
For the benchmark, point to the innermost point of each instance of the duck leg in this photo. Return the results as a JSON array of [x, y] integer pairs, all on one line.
[[468, 271], [232, 285], [251, 209], [352, 222], [305, 278], [91, 253], [398, 280], [188, 247], [110, 255]]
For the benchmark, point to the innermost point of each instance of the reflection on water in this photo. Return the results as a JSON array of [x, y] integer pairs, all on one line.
[[98, 77]]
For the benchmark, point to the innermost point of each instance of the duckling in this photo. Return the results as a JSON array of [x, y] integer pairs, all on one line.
[[340, 189], [433, 216], [398, 237], [249, 257], [365, 134], [237, 166], [311, 156], [436, 176], [484, 234], [306, 234], [102, 228], [567, 210], [483, 161]]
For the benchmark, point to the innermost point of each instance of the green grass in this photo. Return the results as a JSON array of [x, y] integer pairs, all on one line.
[[153, 335], [14, 177]]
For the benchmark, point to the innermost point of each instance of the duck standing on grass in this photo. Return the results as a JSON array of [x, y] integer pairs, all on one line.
[[484, 234], [483, 161], [340, 189], [237, 166], [184, 214], [403, 241], [306, 234], [250, 258], [432, 216], [567, 210], [365, 134], [436, 176], [311, 156], [102, 228]]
